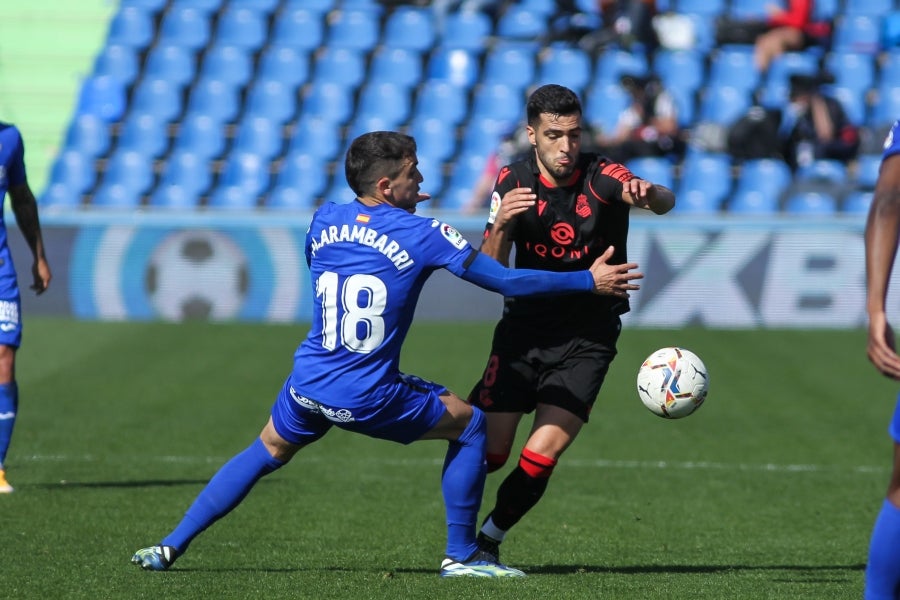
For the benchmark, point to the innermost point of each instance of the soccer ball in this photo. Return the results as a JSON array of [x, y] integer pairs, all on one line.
[[200, 275], [672, 382]]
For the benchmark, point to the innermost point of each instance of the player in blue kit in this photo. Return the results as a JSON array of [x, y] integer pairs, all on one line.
[[368, 262], [13, 180], [882, 237]]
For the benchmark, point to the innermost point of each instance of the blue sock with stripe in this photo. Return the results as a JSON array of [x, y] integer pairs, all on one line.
[[9, 405], [223, 492], [462, 483]]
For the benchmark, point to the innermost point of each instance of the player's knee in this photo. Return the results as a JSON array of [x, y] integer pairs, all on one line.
[[496, 461], [476, 429], [536, 465]]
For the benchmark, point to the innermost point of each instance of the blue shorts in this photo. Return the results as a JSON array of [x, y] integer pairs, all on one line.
[[401, 412], [10, 321]]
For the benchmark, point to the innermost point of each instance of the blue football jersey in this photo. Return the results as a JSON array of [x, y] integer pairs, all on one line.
[[12, 173], [892, 142], [368, 266]]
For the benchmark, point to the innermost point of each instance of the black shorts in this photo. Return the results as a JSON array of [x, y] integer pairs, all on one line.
[[526, 368]]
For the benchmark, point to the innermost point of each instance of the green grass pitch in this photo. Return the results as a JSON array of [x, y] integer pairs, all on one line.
[[768, 491]]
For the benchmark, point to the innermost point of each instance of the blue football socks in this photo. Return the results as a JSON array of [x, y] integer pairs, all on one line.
[[223, 492], [883, 570], [462, 483], [9, 404]]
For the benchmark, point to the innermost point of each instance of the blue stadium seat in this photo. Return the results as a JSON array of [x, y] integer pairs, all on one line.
[[510, 64], [285, 64], [177, 197], [247, 172], [353, 29], [74, 170], [441, 99], [200, 134], [825, 170], [604, 104], [262, 6], [869, 7], [257, 134], [318, 6], [867, 167], [454, 65], [685, 104], [305, 173], [857, 202], [853, 102], [767, 176], [680, 69], [388, 101], [655, 169], [299, 28], [518, 22], [886, 105], [704, 32], [241, 27], [229, 64], [170, 62], [231, 197], [344, 66], [615, 62], [466, 29], [705, 182], [206, 6], [853, 70], [364, 122], [570, 67], [410, 28], [185, 176], [435, 143], [144, 133], [186, 26], [118, 61], [499, 102], [214, 98], [723, 104], [130, 26], [315, 136], [399, 66], [329, 101], [130, 169], [747, 201], [857, 33], [58, 196], [150, 6], [791, 63], [272, 99], [289, 198], [482, 135], [432, 171], [112, 195], [826, 10], [749, 9], [157, 97], [889, 68], [811, 203], [733, 66], [89, 135], [102, 96], [711, 8]]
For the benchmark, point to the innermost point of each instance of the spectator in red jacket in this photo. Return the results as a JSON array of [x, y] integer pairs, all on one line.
[[787, 30]]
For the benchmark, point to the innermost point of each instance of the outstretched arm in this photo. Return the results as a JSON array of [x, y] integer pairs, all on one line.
[[882, 236], [24, 207]]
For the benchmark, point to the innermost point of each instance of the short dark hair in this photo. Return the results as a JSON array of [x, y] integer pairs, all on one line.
[[374, 155], [552, 99]]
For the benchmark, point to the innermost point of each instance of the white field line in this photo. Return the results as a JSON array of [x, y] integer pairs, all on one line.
[[659, 465]]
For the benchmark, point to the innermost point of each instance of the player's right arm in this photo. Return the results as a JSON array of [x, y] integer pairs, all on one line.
[[507, 202], [881, 239]]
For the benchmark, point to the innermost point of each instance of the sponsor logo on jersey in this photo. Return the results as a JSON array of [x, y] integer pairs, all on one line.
[[453, 236], [563, 234], [341, 415], [504, 172], [495, 207]]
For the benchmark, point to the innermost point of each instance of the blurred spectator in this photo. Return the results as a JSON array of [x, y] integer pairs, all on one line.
[[624, 23], [783, 30], [815, 125], [648, 127]]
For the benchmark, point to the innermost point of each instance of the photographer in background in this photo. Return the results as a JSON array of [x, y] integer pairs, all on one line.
[[815, 125]]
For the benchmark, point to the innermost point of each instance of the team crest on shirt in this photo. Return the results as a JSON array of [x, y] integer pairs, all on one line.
[[582, 208], [495, 207], [453, 236]]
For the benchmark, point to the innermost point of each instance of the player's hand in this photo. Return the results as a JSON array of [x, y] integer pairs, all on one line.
[[514, 202], [640, 191], [881, 348], [40, 271], [614, 280]]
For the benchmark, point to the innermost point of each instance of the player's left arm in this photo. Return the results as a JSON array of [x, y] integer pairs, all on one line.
[[645, 194], [25, 209]]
